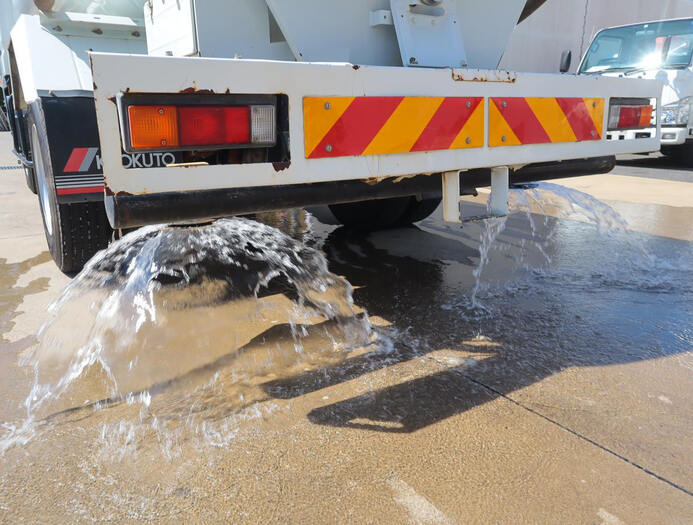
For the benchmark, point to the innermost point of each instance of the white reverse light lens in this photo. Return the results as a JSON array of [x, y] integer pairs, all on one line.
[[263, 125], [614, 116]]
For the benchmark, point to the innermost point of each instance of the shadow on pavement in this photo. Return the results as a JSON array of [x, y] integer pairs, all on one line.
[[538, 331], [654, 162]]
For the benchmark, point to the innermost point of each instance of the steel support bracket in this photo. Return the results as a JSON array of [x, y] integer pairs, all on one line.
[[497, 203], [451, 196], [498, 200]]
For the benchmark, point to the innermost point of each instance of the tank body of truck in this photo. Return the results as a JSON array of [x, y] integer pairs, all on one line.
[[376, 108]]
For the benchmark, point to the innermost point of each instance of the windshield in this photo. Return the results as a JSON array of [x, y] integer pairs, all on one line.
[[658, 45]]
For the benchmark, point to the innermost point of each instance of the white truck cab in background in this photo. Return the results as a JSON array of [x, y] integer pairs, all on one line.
[[659, 50]]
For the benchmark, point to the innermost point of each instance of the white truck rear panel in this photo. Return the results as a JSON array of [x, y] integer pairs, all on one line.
[[115, 74]]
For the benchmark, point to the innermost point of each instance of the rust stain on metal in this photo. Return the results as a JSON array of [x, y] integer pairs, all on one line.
[[194, 89], [356, 67], [479, 75], [404, 177], [109, 192], [112, 99], [280, 166]]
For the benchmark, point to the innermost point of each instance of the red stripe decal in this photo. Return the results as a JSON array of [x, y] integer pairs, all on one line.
[[446, 123], [357, 127], [579, 118], [75, 160], [76, 191], [522, 120]]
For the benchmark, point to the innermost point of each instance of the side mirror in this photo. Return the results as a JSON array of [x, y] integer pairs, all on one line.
[[566, 58]]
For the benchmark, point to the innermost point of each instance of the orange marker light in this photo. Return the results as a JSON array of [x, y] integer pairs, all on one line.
[[153, 127], [645, 116]]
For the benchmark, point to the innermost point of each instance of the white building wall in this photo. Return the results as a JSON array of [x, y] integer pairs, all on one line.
[[536, 44]]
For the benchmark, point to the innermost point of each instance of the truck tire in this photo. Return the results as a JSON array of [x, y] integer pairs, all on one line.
[[74, 231], [384, 213], [371, 215], [418, 210]]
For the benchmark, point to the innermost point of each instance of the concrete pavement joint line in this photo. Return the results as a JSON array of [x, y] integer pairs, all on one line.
[[580, 436]]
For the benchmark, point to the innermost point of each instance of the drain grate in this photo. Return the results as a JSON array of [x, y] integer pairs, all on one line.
[[5, 168]]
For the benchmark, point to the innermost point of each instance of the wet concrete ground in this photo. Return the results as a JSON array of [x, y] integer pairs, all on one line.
[[565, 398]]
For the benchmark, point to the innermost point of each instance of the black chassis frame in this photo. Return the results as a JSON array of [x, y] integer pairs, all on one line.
[[129, 211]]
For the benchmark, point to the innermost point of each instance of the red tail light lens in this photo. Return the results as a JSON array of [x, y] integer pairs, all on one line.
[[629, 116], [212, 125]]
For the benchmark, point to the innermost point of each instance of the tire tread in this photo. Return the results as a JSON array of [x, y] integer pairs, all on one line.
[[84, 231]]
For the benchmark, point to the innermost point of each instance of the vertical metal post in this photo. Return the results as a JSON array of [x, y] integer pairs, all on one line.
[[500, 181], [451, 196]]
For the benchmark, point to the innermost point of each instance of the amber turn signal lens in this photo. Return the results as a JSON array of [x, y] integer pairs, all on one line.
[[153, 127], [645, 116]]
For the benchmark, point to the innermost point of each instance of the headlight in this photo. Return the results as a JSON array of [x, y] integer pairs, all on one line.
[[676, 114]]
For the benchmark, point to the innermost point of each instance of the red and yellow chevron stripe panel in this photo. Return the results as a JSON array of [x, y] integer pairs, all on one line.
[[514, 121], [346, 126]]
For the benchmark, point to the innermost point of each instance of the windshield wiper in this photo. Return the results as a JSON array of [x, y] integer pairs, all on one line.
[[662, 66], [636, 70]]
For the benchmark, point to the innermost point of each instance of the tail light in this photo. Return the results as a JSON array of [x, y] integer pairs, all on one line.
[[169, 127], [628, 116]]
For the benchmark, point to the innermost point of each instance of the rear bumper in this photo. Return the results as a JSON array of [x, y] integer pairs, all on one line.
[[129, 211], [670, 136]]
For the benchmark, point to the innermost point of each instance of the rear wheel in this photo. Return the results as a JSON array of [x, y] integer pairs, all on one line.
[[418, 210], [74, 231], [383, 213]]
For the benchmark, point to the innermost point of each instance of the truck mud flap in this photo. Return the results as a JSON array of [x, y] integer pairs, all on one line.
[[73, 136]]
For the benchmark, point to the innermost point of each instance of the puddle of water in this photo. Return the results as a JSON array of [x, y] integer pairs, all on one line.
[[178, 330], [11, 297], [203, 313]]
